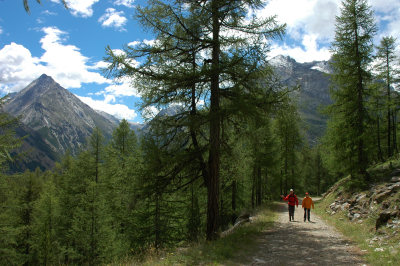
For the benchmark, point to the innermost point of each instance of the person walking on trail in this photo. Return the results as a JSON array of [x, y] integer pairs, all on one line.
[[306, 204], [292, 201]]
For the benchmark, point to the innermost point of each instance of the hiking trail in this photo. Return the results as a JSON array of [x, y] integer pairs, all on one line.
[[302, 243]]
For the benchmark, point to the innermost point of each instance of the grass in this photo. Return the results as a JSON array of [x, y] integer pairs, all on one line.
[[362, 233], [226, 250]]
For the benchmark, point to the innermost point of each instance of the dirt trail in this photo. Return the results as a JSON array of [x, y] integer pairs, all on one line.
[[303, 243]]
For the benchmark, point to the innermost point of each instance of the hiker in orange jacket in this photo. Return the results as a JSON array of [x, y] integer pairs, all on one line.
[[292, 201], [306, 204]]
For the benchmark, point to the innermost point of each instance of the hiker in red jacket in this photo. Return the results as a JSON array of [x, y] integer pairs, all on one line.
[[292, 201]]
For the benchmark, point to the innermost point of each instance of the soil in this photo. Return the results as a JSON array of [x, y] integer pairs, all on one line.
[[303, 243]]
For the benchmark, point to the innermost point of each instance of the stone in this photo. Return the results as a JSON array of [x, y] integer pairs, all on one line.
[[360, 197], [395, 179], [345, 206], [394, 187], [383, 219], [356, 216], [385, 205], [381, 196]]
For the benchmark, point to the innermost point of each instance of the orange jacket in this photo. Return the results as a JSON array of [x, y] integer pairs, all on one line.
[[307, 203]]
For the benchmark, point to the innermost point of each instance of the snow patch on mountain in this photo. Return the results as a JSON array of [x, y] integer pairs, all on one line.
[[281, 61], [322, 66]]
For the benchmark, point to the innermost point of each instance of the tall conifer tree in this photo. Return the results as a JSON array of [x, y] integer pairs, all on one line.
[[387, 68], [211, 47], [352, 54]]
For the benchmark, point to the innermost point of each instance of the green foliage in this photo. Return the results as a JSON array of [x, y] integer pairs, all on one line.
[[352, 53], [175, 71]]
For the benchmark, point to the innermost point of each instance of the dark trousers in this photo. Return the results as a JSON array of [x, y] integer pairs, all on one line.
[[291, 212], [307, 214]]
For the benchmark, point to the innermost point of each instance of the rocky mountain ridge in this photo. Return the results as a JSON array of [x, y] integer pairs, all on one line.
[[313, 80], [59, 118], [55, 120]]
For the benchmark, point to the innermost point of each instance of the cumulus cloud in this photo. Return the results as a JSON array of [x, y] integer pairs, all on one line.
[[65, 63], [388, 13], [309, 52], [122, 88], [80, 8], [17, 67], [118, 110], [127, 3], [310, 22], [113, 18]]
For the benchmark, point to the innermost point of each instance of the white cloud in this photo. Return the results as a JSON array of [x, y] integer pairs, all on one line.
[[1, 30], [127, 3], [113, 18], [388, 13], [123, 88], [80, 8], [134, 43], [118, 110], [17, 67], [311, 22], [64, 63], [149, 112], [309, 52], [49, 13]]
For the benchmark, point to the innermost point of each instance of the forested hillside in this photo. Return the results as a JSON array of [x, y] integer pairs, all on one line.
[[230, 137]]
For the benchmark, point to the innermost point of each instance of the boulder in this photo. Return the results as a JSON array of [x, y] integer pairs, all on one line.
[[345, 206], [384, 217], [394, 187], [383, 195], [395, 179]]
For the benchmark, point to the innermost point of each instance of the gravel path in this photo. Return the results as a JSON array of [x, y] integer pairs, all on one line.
[[303, 243]]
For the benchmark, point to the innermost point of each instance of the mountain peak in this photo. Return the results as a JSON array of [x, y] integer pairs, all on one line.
[[282, 61], [44, 77]]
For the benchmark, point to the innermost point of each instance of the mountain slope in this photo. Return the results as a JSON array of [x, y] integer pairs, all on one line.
[[59, 117], [314, 84]]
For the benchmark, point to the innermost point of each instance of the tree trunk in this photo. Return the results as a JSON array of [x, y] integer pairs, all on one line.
[[234, 192], [258, 183], [214, 153], [380, 156], [394, 125], [361, 155], [157, 228]]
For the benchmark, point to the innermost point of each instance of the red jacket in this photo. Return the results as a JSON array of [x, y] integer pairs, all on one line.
[[292, 200]]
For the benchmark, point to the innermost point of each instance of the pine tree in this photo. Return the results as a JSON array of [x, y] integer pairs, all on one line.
[[230, 72], [45, 242], [352, 53], [288, 132], [387, 72]]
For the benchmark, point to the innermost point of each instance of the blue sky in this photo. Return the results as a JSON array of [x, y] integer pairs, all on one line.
[[69, 45]]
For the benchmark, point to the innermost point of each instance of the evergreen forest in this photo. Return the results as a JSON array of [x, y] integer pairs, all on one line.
[[233, 140]]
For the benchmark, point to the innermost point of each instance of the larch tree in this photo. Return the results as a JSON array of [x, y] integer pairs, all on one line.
[[352, 50], [208, 49], [388, 72]]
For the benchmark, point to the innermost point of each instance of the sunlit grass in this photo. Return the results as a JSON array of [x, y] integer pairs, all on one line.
[[362, 234]]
